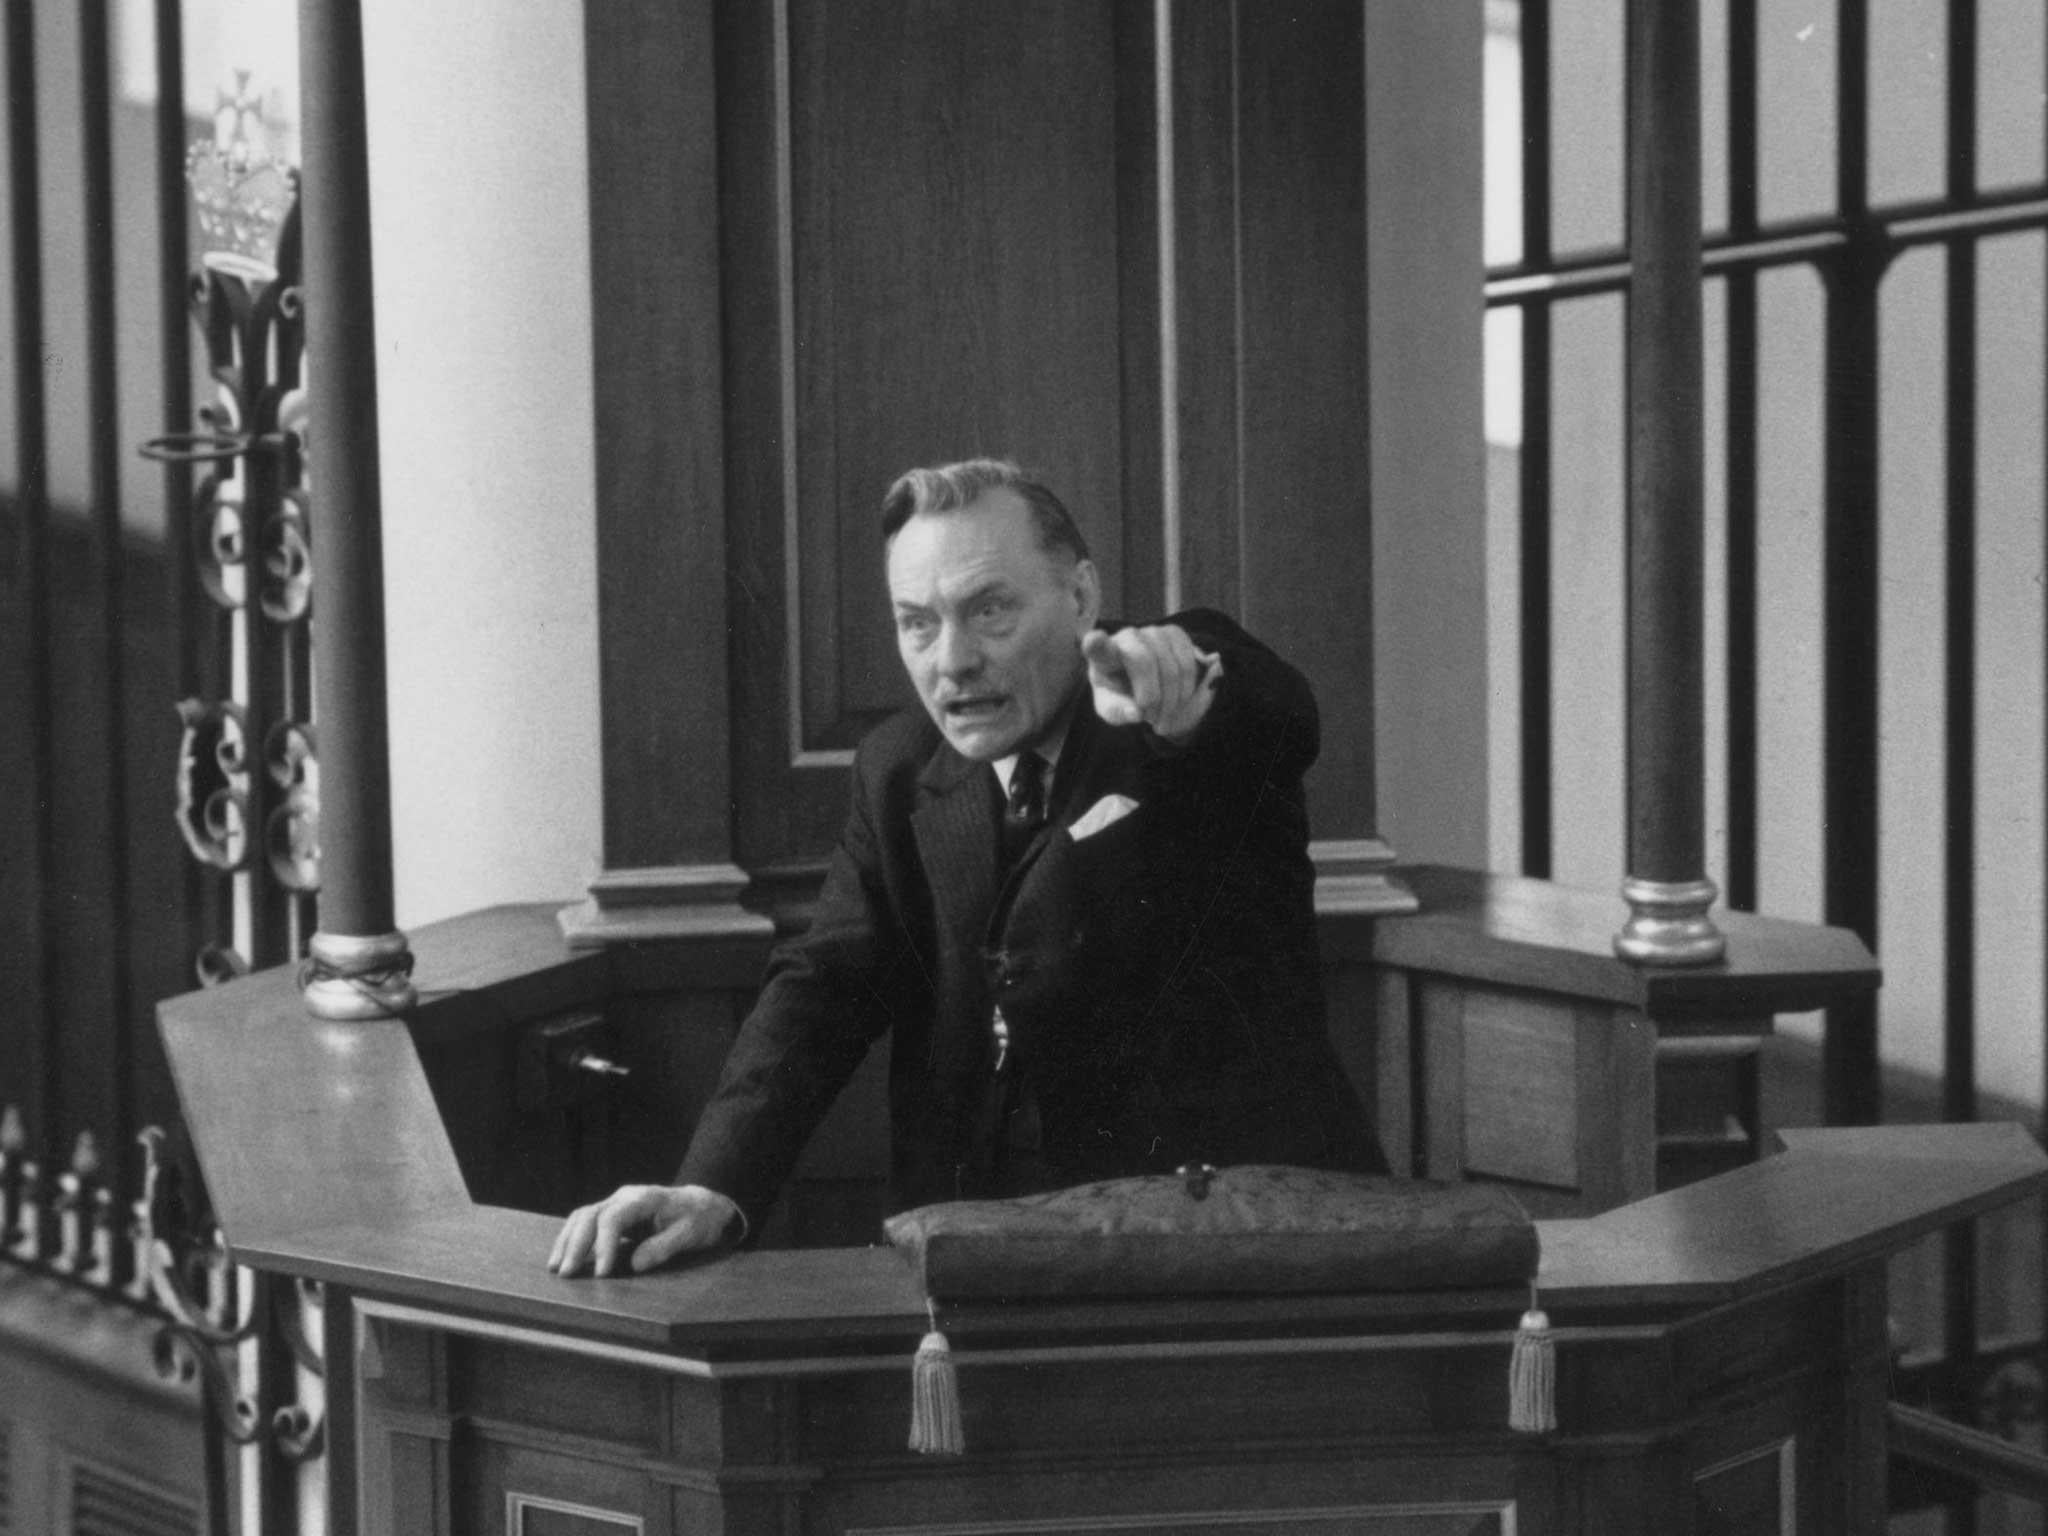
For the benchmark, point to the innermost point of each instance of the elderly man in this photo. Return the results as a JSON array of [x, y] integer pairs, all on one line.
[[1074, 889]]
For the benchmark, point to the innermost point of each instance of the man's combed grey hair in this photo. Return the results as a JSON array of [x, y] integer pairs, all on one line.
[[949, 487]]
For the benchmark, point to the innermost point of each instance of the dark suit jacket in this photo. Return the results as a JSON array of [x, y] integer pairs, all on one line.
[[1160, 978]]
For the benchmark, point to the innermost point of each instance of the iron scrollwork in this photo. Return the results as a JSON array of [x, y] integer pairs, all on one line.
[[207, 1318], [291, 833], [248, 534], [213, 783]]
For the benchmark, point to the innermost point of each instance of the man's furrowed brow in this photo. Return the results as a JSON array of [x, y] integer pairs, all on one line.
[[994, 586]]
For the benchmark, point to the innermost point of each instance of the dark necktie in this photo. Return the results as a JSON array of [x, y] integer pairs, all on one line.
[[1024, 811]]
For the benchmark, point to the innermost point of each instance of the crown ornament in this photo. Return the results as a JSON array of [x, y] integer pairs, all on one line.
[[242, 187]]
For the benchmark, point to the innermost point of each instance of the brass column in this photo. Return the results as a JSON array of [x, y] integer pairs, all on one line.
[[361, 966], [1666, 889]]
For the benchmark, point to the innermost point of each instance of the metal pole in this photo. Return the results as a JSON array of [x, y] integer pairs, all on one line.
[[362, 968], [1667, 889]]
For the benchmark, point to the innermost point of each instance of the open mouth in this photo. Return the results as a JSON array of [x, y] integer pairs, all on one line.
[[973, 711]]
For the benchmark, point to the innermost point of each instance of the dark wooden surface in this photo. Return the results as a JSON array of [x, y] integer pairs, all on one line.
[[1832, 1200], [657, 376], [1300, 509], [1015, 298], [1758, 1416], [325, 1153], [1736, 1319], [1543, 937]]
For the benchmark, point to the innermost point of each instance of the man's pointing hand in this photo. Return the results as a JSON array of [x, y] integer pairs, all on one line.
[[1153, 676]]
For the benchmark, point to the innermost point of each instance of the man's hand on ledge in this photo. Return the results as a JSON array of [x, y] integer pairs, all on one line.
[[1153, 676], [656, 1221]]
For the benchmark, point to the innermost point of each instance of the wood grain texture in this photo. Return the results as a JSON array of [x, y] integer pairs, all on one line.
[[1202, 341], [1616, 1058], [1304, 496], [1394, 1044], [1554, 938], [1439, 1057], [1803, 1215], [1396, 1432], [657, 377], [325, 1155], [1832, 1197], [917, 272], [1523, 1090]]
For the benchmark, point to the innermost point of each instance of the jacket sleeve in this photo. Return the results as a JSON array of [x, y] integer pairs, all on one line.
[[826, 999], [1263, 727]]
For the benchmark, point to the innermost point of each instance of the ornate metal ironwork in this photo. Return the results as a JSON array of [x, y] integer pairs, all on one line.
[[249, 537], [213, 783], [291, 833]]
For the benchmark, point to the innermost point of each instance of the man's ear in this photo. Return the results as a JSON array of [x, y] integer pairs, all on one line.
[[1087, 594]]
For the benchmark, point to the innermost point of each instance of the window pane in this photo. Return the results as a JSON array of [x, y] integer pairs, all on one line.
[[1911, 713], [1586, 92], [1908, 101], [2012, 59], [1796, 41], [1503, 108], [1789, 493], [1588, 585], [2010, 724]]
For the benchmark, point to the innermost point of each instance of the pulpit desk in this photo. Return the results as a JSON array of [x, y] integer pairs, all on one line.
[[1721, 1350]]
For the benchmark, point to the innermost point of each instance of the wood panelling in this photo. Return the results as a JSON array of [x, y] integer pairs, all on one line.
[[661, 490], [1123, 243], [1303, 501], [1521, 1067], [1379, 1427], [953, 224], [920, 228]]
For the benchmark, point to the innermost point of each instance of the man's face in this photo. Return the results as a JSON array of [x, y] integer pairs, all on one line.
[[989, 624]]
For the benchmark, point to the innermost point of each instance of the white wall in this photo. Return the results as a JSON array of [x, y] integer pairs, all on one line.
[[480, 203]]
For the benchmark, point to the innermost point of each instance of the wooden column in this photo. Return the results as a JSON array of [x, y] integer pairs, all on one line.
[[362, 966], [1270, 189], [664, 685], [1667, 891]]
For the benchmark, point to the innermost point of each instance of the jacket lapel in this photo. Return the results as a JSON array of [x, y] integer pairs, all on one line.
[[957, 835], [1096, 760]]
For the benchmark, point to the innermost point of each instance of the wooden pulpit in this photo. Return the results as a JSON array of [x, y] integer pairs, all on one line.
[[1721, 1353]]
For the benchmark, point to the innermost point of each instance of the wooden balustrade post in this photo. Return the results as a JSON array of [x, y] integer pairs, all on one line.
[[1666, 889], [362, 967]]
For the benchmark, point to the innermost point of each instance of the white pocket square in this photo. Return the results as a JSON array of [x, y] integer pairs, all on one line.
[[1109, 809]]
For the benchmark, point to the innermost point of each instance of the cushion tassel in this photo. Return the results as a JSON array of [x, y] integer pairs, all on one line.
[[1532, 1374], [935, 1426]]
